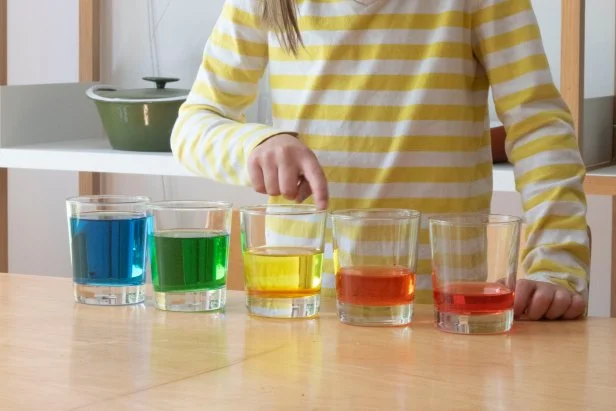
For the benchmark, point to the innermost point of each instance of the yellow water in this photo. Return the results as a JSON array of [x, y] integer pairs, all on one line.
[[283, 272]]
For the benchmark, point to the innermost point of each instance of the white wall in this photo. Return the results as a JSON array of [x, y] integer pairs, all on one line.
[[548, 15], [599, 60], [168, 51], [151, 44], [43, 45], [37, 226], [43, 48], [600, 53], [182, 30]]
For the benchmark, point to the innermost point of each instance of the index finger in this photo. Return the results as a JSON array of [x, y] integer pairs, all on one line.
[[313, 173]]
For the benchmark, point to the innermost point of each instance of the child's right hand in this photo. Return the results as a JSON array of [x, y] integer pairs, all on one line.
[[283, 165]]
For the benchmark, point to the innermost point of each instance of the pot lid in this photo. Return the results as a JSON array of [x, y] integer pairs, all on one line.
[[160, 92]]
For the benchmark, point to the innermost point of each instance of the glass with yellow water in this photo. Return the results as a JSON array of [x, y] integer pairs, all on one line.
[[282, 247]]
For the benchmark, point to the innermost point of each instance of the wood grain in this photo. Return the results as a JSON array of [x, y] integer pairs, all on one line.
[[4, 221], [89, 40], [613, 276], [600, 185], [573, 41], [90, 183], [235, 280], [4, 192], [89, 70], [614, 116], [69, 356]]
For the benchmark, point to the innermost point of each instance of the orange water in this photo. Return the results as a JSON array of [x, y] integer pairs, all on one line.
[[473, 298], [375, 286]]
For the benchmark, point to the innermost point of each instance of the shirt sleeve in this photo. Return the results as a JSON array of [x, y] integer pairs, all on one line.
[[541, 141], [211, 137]]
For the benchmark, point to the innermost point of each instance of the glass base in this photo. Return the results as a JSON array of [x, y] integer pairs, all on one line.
[[191, 301], [375, 316], [294, 307], [107, 295], [493, 323]]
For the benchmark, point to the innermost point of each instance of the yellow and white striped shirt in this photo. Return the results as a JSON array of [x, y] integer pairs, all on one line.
[[391, 95]]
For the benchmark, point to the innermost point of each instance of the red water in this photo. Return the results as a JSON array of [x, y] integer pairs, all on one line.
[[473, 298], [375, 286]]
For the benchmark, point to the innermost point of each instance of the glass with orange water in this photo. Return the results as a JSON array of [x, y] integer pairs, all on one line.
[[375, 256], [474, 268]]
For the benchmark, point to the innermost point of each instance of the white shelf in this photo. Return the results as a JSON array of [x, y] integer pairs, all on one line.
[[97, 156], [55, 127], [94, 155], [609, 171], [503, 178]]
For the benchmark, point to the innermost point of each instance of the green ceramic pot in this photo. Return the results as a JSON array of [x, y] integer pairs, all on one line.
[[139, 119]]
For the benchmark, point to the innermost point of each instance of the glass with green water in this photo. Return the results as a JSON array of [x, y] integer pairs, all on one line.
[[189, 254]]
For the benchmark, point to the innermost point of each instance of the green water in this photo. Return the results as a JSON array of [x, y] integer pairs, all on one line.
[[189, 260]]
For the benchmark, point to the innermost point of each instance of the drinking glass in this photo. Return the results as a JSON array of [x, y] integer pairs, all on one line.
[[282, 247], [375, 257], [474, 268], [189, 254], [107, 236]]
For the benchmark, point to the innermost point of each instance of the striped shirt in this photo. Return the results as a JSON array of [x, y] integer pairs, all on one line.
[[391, 95]]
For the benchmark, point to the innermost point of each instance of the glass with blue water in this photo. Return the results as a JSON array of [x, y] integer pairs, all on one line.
[[108, 238]]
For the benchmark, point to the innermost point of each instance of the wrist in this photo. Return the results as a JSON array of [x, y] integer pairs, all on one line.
[[281, 134]]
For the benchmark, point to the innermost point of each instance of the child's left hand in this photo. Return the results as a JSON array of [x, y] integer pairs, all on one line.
[[536, 300]]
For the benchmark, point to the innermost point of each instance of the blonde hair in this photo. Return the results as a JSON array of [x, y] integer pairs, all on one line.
[[280, 16]]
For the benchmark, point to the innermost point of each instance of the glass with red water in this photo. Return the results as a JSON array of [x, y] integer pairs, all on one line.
[[375, 254], [474, 267]]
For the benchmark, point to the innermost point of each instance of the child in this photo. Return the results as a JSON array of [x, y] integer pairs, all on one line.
[[383, 103]]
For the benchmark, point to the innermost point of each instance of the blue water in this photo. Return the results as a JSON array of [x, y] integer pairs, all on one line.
[[108, 249]]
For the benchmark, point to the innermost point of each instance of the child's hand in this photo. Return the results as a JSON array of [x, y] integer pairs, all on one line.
[[536, 300], [283, 165]]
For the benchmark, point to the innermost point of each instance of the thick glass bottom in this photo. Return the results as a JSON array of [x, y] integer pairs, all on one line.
[[292, 307], [481, 323], [191, 301], [375, 316], [108, 295]]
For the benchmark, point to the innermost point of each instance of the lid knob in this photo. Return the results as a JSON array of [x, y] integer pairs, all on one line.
[[161, 82]]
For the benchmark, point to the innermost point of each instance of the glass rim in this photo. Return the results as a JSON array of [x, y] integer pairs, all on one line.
[[295, 209], [469, 220], [108, 199], [190, 205], [391, 214]]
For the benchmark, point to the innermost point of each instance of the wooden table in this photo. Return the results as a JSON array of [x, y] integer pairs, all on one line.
[[57, 355]]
